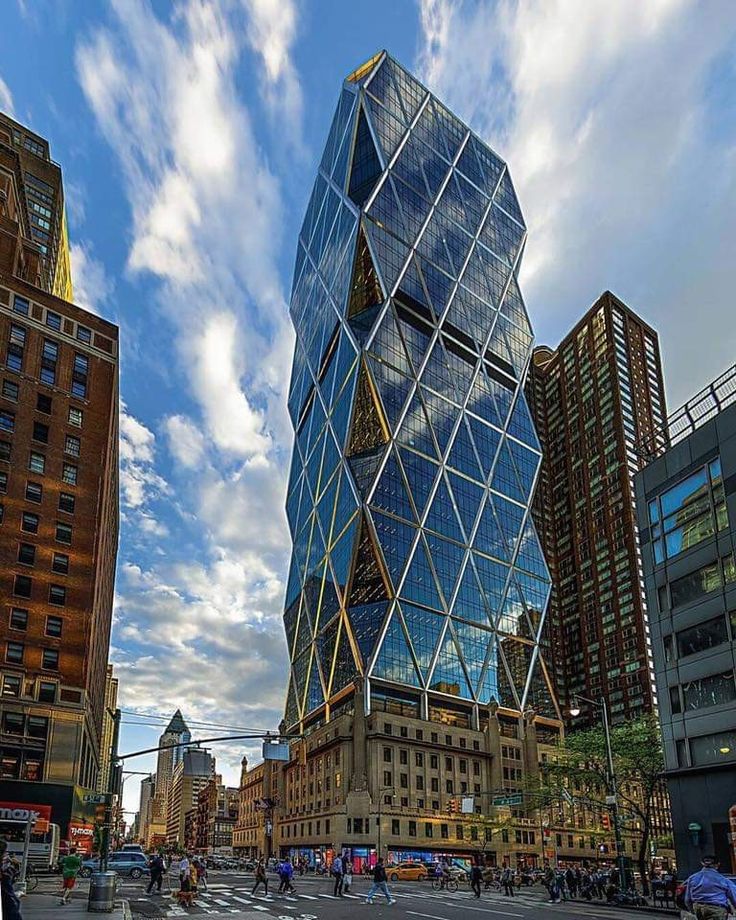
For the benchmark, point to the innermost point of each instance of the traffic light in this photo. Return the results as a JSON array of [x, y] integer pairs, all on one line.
[[606, 822], [453, 806]]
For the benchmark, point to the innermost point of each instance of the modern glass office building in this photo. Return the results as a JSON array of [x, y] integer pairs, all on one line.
[[416, 568]]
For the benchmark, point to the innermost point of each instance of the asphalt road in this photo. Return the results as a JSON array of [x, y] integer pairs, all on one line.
[[229, 895]]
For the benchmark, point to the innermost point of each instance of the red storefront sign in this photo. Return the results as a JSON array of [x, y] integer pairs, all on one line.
[[22, 811], [82, 836]]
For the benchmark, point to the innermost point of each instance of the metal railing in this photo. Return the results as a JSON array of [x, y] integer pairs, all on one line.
[[704, 406]]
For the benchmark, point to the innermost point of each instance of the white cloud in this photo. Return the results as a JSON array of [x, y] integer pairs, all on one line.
[[185, 441], [6, 98], [92, 287], [139, 482], [602, 111]]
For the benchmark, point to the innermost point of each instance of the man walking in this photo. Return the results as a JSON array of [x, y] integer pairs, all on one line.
[[709, 894], [157, 866], [507, 880], [476, 877], [261, 877], [70, 866], [10, 909], [337, 872], [380, 883]]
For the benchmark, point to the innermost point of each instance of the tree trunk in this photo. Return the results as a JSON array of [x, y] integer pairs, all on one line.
[[642, 860]]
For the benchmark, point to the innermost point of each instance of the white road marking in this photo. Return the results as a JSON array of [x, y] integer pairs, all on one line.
[[309, 897], [416, 913], [241, 900], [487, 910]]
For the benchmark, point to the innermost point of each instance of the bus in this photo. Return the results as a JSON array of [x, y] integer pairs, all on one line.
[[43, 851]]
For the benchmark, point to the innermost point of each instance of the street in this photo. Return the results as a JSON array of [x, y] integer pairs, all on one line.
[[229, 895]]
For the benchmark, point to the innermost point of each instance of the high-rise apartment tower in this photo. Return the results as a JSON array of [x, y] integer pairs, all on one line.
[[593, 398]]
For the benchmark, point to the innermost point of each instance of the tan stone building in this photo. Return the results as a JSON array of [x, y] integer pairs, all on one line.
[[108, 722], [258, 785], [191, 774], [217, 812]]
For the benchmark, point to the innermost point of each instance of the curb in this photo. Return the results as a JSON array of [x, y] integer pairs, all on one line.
[[127, 913]]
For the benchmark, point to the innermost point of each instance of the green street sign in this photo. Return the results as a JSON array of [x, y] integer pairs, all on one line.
[[507, 800]]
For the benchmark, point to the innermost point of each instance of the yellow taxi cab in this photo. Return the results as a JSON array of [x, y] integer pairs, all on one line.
[[407, 872]]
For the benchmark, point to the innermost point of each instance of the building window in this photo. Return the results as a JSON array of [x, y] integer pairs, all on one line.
[[43, 403], [459, 831], [695, 585], [5, 448], [75, 416], [79, 376], [29, 522], [7, 421], [60, 563], [16, 348], [387, 755], [72, 445], [428, 829], [3, 482], [57, 595], [703, 636], [53, 321], [14, 653], [18, 618], [34, 492], [412, 828], [26, 553], [40, 432], [11, 390], [53, 627], [49, 358], [50, 659], [419, 759], [84, 334], [11, 685], [69, 474], [714, 690], [37, 463], [22, 586], [46, 692], [66, 502], [395, 827], [63, 533], [387, 778], [444, 831], [21, 305], [709, 749]]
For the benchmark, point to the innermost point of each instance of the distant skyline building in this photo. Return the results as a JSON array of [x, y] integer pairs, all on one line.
[[108, 728], [686, 499], [59, 399], [592, 399], [416, 566], [192, 773]]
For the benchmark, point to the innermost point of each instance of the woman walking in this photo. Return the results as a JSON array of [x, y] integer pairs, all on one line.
[[261, 877]]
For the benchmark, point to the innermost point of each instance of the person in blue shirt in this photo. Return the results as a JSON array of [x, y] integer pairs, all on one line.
[[709, 894]]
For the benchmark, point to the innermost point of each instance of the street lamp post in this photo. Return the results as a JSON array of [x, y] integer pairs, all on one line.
[[612, 797], [380, 803]]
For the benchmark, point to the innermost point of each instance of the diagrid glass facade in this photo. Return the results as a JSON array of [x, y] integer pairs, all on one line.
[[416, 565]]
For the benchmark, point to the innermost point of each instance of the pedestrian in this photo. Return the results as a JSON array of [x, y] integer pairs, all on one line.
[[281, 872], [572, 881], [551, 884], [380, 883], [202, 872], [156, 866], [337, 872], [185, 895], [476, 877], [347, 875], [8, 898], [708, 894], [288, 876], [261, 877], [507, 880], [70, 866]]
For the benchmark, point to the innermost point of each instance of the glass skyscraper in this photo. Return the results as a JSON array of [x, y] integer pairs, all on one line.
[[416, 567]]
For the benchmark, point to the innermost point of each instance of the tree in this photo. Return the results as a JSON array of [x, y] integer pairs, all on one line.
[[638, 764]]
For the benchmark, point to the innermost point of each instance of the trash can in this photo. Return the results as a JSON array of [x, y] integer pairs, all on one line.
[[102, 890]]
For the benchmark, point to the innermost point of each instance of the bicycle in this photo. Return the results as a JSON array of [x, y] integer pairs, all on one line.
[[446, 884]]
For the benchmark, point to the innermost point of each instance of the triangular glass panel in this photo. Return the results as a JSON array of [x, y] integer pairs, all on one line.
[[367, 585], [410, 90], [462, 454], [469, 166], [291, 619], [481, 400], [340, 170], [487, 689], [474, 644], [388, 129], [388, 343], [502, 395], [365, 623], [442, 517], [425, 629], [344, 362], [510, 517], [518, 344], [390, 493], [364, 468], [345, 506], [345, 669], [337, 129], [316, 549], [291, 715], [437, 374], [506, 197], [393, 388], [489, 538], [469, 600], [448, 675], [506, 692], [447, 559], [415, 431], [390, 251], [314, 207], [386, 211], [513, 306], [513, 620], [521, 425], [411, 284], [414, 208], [394, 660], [326, 507], [396, 540], [362, 324], [499, 347], [417, 336], [525, 463], [408, 167], [365, 289], [325, 644], [420, 476], [329, 602], [368, 430], [366, 166], [518, 655], [540, 695], [294, 584], [342, 554], [381, 86], [470, 315], [490, 164], [419, 585], [502, 235], [486, 441], [439, 286], [468, 497], [530, 555], [315, 696], [299, 672], [442, 416], [505, 479], [492, 577], [453, 130], [535, 594], [435, 167]]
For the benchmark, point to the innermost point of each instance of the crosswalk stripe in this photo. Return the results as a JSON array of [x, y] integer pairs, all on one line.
[[241, 900], [309, 897]]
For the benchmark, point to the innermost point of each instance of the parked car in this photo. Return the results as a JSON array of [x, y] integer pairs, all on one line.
[[407, 872], [133, 864]]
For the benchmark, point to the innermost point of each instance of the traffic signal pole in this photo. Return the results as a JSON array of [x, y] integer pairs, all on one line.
[[112, 789]]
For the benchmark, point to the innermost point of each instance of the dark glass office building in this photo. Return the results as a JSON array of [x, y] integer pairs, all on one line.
[[416, 568], [686, 503]]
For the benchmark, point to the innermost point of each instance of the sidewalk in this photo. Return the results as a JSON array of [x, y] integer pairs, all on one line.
[[41, 905]]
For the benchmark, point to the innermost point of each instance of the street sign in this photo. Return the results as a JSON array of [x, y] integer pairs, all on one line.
[[566, 796], [507, 800], [610, 800], [468, 805], [98, 798]]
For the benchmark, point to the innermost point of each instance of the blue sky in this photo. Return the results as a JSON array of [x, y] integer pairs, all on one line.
[[189, 134]]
